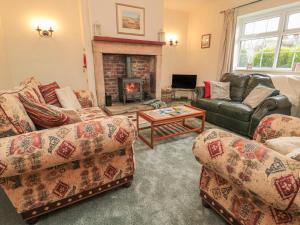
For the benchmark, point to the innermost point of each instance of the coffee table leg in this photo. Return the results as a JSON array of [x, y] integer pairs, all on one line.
[[152, 136], [203, 123]]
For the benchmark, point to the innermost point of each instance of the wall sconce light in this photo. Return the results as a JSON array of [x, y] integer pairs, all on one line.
[[44, 27], [45, 33], [172, 40]]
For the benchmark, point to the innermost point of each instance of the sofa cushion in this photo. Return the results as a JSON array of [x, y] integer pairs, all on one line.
[[67, 98], [219, 90], [258, 95], [48, 92], [212, 105], [238, 85], [91, 113], [7, 129], [257, 79], [16, 113], [236, 110], [32, 83], [42, 115], [85, 98]]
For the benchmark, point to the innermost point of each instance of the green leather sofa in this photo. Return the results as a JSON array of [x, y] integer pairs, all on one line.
[[233, 114]]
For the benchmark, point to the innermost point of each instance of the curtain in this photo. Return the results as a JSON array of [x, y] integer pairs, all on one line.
[[227, 43]]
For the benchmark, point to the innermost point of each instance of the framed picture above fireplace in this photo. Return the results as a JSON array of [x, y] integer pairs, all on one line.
[[130, 19]]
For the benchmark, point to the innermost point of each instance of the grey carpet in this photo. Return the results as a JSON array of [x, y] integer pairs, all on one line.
[[164, 191]]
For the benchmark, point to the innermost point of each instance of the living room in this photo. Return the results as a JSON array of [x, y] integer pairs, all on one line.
[[124, 111]]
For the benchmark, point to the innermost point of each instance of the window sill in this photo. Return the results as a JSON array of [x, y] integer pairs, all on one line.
[[279, 72]]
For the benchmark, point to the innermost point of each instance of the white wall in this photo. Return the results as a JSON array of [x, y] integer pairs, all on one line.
[[175, 59], [49, 59], [5, 78], [206, 19], [104, 11]]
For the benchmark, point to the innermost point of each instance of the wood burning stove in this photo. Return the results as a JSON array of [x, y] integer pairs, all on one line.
[[130, 88]]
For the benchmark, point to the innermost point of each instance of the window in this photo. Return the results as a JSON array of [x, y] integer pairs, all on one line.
[[268, 41]]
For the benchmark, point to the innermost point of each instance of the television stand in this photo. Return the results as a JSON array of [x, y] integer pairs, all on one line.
[[190, 92]]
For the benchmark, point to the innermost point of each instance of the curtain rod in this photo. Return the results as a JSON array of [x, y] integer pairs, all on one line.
[[240, 6]]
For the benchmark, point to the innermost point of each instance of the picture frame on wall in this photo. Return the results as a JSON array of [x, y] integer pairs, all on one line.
[[205, 41], [130, 19]]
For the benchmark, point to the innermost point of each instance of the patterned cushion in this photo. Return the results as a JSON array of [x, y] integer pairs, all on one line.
[[14, 119], [15, 115], [48, 92], [32, 83], [91, 113], [6, 127], [74, 116], [42, 115], [85, 98]]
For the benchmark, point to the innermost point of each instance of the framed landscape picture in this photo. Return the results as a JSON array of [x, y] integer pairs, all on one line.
[[130, 19], [205, 41]]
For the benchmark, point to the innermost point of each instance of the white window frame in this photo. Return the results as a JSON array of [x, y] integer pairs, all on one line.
[[283, 13]]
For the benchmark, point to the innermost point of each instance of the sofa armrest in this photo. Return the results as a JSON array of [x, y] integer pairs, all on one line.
[[86, 98], [277, 125], [47, 148], [252, 167], [199, 91], [279, 104]]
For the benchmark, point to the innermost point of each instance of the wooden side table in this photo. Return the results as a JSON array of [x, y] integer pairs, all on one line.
[[166, 95]]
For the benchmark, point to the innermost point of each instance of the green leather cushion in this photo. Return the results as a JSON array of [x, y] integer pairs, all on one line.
[[212, 105], [238, 85], [236, 110]]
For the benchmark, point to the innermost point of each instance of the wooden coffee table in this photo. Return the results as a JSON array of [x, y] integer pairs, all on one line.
[[169, 122]]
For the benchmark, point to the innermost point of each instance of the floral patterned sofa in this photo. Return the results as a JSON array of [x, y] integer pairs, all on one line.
[[44, 170], [246, 182]]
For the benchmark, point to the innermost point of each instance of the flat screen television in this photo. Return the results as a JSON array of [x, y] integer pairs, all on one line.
[[184, 81]]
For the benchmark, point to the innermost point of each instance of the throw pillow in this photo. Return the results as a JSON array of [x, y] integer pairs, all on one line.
[[16, 114], [42, 115], [258, 95], [284, 145], [295, 154], [219, 90], [67, 98], [207, 89], [48, 92], [74, 116], [33, 84]]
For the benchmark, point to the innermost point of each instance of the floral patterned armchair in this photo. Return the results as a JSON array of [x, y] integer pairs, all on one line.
[[44, 170], [245, 181]]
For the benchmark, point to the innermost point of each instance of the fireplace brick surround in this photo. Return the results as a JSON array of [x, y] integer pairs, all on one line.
[[114, 67], [146, 58]]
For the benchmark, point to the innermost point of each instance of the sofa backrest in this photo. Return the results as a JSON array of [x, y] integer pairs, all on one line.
[[256, 79], [238, 85]]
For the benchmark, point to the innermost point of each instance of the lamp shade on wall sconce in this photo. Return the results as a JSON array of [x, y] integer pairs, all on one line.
[[44, 27], [172, 40]]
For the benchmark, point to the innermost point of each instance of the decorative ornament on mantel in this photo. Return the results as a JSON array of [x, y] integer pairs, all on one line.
[[97, 29], [161, 35]]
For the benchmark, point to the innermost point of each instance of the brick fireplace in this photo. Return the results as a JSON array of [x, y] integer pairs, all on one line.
[[130, 77], [111, 66]]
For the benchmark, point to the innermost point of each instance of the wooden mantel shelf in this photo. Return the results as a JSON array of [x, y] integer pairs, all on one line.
[[128, 41]]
